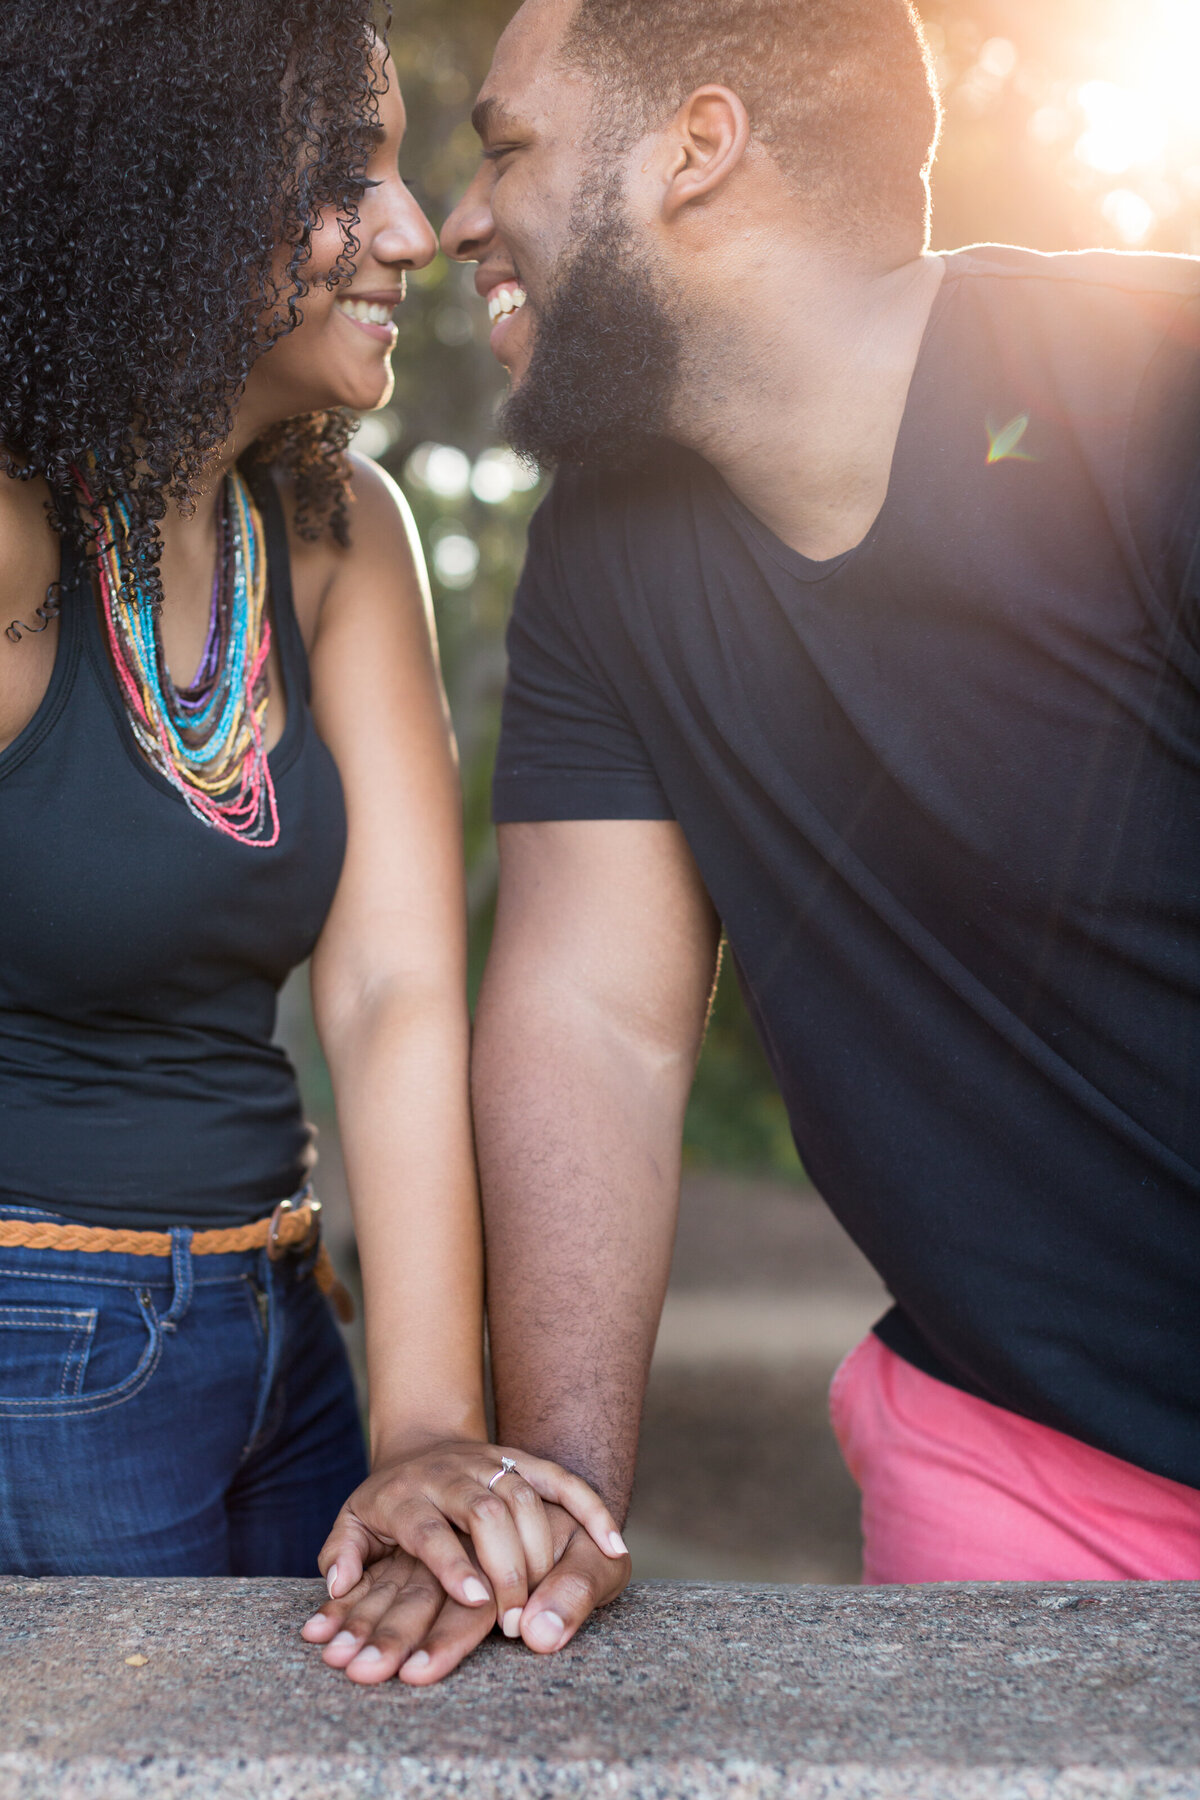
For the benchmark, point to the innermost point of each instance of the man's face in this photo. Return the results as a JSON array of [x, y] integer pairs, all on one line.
[[578, 318]]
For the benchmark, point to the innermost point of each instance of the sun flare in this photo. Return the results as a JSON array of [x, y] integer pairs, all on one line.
[[1142, 117]]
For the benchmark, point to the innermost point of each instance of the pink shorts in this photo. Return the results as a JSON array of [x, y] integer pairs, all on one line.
[[954, 1489]]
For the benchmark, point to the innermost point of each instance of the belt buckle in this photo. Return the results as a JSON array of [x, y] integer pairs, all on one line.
[[277, 1251]]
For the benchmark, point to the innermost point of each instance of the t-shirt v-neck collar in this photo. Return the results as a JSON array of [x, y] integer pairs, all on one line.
[[805, 568]]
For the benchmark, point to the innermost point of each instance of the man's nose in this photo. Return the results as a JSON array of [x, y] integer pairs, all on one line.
[[470, 227]]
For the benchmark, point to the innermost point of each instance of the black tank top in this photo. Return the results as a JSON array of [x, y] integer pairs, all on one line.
[[141, 952]]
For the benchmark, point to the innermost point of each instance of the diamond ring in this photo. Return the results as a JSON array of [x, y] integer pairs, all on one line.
[[507, 1467]]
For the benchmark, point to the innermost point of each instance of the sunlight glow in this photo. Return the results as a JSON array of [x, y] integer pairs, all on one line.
[[1130, 215], [499, 474], [1125, 130], [1148, 108], [456, 560], [1142, 120], [440, 469], [1169, 59]]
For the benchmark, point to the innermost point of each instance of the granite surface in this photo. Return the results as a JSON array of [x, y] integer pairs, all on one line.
[[195, 1690]]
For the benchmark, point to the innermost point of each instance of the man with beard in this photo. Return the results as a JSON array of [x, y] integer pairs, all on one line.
[[864, 620]]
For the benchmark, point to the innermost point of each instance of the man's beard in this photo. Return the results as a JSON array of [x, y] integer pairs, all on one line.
[[606, 356]]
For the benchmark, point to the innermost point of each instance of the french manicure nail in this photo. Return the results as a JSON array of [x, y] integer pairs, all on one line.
[[545, 1630], [510, 1624], [367, 1656], [330, 1581], [617, 1543], [475, 1591], [342, 1639], [416, 1663]]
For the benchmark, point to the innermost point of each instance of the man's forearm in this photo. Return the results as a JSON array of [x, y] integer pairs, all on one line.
[[579, 1149]]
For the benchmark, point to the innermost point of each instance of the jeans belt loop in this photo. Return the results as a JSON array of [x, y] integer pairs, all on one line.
[[181, 1270]]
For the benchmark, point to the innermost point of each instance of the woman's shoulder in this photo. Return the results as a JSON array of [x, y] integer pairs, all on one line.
[[382, 556], [381, 520]]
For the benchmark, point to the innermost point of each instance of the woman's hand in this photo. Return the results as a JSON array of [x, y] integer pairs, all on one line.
[[419, 1502], [398, 1621]]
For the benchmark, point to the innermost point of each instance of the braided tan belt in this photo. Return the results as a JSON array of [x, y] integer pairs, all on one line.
[[290, 1228]]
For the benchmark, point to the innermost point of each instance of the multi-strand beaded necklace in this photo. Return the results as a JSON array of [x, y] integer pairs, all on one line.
[[206, 739]]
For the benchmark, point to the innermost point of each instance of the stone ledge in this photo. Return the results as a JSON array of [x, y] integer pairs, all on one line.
[[695, 1692]]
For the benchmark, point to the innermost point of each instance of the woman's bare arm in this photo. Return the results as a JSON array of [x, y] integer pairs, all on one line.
[[389, 981], [389, 990]]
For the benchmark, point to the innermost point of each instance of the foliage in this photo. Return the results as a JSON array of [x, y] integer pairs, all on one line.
[[1011, 169]]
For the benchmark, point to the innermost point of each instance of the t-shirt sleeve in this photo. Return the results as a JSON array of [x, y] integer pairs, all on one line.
[[568, 748]]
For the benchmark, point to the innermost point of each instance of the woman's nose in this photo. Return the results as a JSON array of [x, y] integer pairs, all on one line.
[[406, 237], [470, 227]]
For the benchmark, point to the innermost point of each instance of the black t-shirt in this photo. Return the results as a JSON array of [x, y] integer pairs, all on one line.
[[944, 792]]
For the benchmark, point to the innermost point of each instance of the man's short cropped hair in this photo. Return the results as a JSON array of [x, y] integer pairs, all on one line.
[[841, 93]]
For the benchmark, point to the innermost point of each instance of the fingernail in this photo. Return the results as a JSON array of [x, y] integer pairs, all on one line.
[[342, 1639], [545, 1631], [475, 1592], [367, 1657], [317, 1619], [330, 1581], [617, 1543], [510, 1624], [416, 1663]]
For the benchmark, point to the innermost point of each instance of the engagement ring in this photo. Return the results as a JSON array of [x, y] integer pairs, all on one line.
[[507, 1467]]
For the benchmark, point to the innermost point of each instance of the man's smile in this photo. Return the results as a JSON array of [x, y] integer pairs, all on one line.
[[505, 299], [509, 297]]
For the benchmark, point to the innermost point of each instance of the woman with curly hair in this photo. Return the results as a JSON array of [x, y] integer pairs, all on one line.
[[224, 747]]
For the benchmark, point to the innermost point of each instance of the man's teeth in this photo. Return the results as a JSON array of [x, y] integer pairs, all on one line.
[[367, 312], [508, 300]]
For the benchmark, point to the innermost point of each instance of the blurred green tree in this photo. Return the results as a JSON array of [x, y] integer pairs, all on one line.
[[1063, 129]]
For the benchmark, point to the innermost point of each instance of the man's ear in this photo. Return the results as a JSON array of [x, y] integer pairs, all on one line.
[[709, 137]]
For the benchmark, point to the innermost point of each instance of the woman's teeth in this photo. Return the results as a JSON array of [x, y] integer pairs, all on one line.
[[367, 312], [508, 300]]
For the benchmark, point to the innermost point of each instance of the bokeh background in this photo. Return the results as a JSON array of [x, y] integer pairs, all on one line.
[[1069, 124]]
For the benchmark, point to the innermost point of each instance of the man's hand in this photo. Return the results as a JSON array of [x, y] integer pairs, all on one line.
[[398, 1619], [580, 1581]]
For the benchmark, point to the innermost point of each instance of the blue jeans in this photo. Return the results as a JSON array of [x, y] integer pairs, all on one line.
[[169, 1416]]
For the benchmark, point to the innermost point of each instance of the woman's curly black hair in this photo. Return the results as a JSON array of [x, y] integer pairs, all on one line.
[[154, 156]]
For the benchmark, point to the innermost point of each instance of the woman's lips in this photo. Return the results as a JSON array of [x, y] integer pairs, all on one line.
[[371, 313]]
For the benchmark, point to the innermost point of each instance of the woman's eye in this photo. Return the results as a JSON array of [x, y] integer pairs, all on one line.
[[406, 180]]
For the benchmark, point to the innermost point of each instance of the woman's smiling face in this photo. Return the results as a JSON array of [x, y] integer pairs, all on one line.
[[340, 354]]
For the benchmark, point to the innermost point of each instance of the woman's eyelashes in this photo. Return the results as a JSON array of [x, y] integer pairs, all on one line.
[[382, 180]]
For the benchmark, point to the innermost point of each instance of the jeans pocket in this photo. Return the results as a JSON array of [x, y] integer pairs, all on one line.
[[69, 1348], [44, 1351]]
